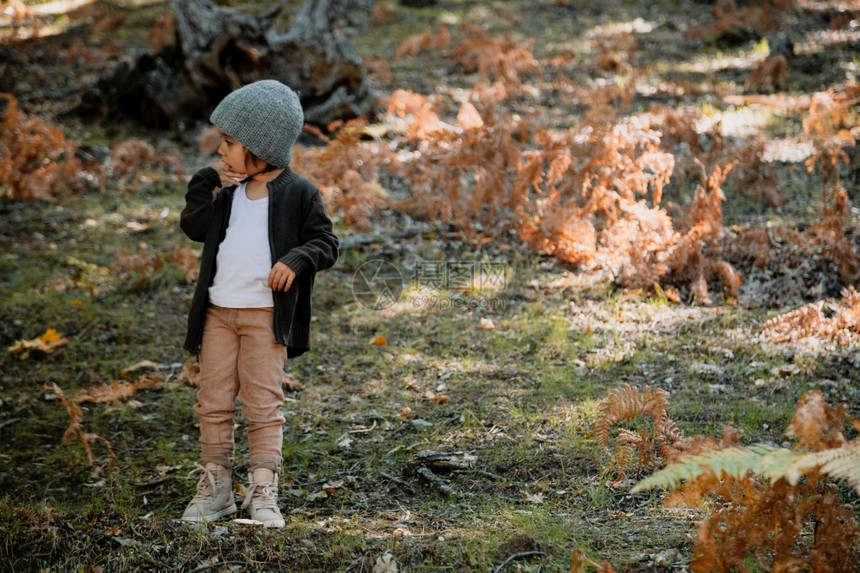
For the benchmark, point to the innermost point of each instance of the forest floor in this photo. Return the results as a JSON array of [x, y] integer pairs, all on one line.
[[505, 377]]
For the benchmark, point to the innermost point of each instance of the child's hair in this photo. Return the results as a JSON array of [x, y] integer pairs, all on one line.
[[251, 158]]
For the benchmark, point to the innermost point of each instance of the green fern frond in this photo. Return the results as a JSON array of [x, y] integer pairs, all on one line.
[[774, 465], [769, 461], [839, 463]]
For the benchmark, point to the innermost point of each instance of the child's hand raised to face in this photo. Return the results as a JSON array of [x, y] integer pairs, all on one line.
[[228, 177], [281, 277], [231, 177]]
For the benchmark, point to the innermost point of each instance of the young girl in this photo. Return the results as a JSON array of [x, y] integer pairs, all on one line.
[[263, 241]]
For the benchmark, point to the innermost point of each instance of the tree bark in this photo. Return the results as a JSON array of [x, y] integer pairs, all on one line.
[[323, 64], [218, 49]]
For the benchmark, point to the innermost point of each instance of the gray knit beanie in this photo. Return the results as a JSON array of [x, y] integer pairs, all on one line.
[[265, 116]]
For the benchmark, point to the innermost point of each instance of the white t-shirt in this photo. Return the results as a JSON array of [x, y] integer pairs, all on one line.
[[244, 259]]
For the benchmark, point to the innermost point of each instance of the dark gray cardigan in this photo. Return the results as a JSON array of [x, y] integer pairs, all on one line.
[[300, 236]]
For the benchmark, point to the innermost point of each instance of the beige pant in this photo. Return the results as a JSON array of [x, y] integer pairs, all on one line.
[[240, 359]]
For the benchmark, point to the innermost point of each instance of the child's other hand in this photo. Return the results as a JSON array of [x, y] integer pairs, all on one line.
[[281, 277]]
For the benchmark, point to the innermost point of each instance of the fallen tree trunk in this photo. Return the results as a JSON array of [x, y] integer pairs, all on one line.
[[218, 49]]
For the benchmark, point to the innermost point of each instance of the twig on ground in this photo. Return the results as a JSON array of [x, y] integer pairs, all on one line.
[[362, 430], [518, 556], [358, 431], [491, 475], [9, 422], [305, 484], [149, 483], [218, 564], [398, 481], [428, 474]]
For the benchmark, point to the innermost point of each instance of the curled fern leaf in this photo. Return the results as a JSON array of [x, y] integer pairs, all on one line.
[[769, 461], [623, 403]]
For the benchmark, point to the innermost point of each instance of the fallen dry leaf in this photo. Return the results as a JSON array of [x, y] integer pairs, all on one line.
[[137, 366], [49, 341], [291, 383], [332, 486], [164, 469], [344, 443], [190, 373], [432, 396]]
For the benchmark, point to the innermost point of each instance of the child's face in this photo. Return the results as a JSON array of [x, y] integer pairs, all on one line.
[[236, 157]]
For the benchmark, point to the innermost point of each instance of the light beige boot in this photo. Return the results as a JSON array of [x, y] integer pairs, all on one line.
[[262, 498], [214, 498]]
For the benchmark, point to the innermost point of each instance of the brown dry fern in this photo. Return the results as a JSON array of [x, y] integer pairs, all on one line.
[[648, 441], [75, 429], [763, 509], [826, 320], [37, 162]]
